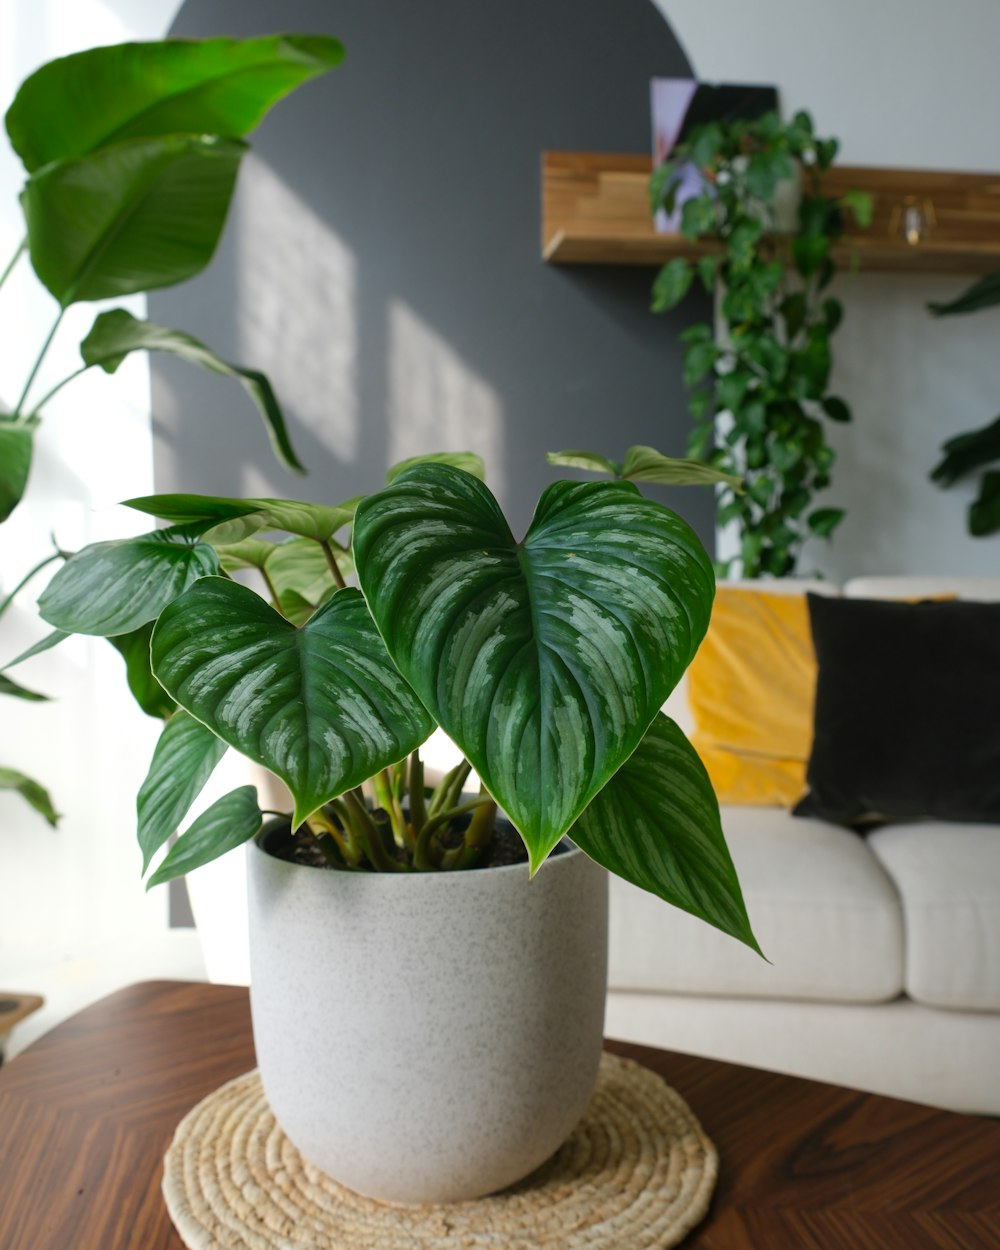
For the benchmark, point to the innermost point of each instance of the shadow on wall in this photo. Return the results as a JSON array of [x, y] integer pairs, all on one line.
[[382, 264]]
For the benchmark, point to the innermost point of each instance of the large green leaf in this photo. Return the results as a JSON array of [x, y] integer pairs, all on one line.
[[134, 217], [184, 759], [227, 824], [78, 103], [984, 293], [16, 445], [656, 824], [245, 516], [116, 333], [467, 460], [114, 587], [323, 706], [146, 690], [966, 452], [547, 660], [32, 793]]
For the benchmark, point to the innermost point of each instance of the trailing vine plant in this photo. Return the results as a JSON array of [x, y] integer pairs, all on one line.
[[759, 378]]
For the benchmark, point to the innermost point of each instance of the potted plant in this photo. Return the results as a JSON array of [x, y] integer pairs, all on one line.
[[760, 375], [131, 155], [428, 1015]]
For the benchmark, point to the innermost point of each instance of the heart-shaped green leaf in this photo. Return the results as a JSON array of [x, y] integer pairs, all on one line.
[[146, 690], [656, 824], [116, 333], [308, 520], [16, 446], [101, 96], [227, 824], [32, 793], [130, 218], [547, 660], [323, 706], [184, 759], [114, 587]]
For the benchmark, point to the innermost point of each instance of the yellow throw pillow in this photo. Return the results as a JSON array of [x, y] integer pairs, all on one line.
[[751, 688]]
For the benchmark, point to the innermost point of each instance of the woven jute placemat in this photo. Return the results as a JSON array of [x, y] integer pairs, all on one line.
[[636, 1174]]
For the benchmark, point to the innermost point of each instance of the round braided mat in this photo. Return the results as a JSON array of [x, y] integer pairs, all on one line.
[[637, 1173]]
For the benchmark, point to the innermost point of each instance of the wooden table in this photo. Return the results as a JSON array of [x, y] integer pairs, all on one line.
[[87, 1111]]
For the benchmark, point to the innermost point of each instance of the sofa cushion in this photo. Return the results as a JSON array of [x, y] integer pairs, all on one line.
[[823, 909], [906, 718], [948, 878]]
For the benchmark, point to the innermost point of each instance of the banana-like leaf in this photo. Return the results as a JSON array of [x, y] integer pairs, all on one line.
[[227, 824], [16, 446], [102, 96], [308, 520], [116, 333], [467, 460], [592, 461], [323, 706], [32, 793], [545, 661], [114, 587], [146, 690], [184, 759], [646, 464], [656, 824], [20, 692], [141, 215]]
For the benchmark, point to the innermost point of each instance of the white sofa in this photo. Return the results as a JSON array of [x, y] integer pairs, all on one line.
[[884, 948]]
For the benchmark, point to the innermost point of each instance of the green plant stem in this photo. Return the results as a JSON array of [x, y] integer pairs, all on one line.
[[418, 806], [331, 560], [382, 784], [37, 408], [478, 836], [270, 588], [37, 365], [446, 794], [22, 248], [322, 827], [369, 834]]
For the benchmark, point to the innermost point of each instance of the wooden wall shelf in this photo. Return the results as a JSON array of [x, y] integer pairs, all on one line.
[[595, 212]]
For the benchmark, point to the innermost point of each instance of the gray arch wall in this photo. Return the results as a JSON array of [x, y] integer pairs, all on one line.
[[382, 261]]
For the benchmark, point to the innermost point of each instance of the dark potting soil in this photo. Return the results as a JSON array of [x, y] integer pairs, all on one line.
[[302, 848]]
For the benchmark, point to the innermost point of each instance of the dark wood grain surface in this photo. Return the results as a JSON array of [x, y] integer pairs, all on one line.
[[87, 1112]]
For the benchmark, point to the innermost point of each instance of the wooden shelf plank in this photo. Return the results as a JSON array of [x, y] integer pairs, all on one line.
[[595, 212]]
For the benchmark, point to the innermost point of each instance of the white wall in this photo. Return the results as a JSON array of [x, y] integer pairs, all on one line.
[[904, 84], [60, 890]]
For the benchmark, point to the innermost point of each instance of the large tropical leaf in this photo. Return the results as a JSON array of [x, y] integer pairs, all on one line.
[[323, 706], [967, 452], [78, 103], [16, 445], [184, 759], [134, 217], [546, 660], [146, 690], [33, 794], [245, 516], [656, 824], [114, 587], [116, 333], [227, 824]]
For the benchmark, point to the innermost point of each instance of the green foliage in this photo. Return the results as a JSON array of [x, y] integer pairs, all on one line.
[[33, 794], [965, 453], [766, 372]]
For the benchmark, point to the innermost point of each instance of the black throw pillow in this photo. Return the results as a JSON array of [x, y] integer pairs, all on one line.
[[907, 718]]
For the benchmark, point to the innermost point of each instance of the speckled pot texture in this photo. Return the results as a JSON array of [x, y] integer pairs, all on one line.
[[428, 1037]]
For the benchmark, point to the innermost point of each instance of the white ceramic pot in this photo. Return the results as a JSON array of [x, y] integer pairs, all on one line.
[[428, 1037]]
